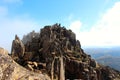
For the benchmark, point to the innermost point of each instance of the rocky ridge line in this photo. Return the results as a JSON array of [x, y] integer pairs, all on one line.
[[56, 52]]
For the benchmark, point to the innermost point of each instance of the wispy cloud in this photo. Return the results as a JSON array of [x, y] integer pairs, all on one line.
[[75, 26], [105, 31]]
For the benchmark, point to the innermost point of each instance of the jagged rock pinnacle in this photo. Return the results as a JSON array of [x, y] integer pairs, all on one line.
[[56, 52]]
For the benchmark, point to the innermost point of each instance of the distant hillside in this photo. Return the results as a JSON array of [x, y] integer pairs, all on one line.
[[113, 62], [106, 56], [100, 52]]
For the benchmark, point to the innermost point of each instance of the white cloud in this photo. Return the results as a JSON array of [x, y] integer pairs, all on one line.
[[75, 26], [106, 32]]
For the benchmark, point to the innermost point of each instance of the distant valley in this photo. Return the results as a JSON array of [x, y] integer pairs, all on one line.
[[106, 56]]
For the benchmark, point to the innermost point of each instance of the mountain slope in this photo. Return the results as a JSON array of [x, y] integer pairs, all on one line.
[[113, 62], [56, 52], [106, 56], [100, 52]]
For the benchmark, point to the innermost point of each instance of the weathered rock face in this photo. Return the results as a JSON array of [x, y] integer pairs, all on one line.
[[3, 51], [10, 70], [56, 51], [18, 48]]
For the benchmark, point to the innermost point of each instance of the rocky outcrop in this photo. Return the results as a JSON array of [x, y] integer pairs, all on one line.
[[18, 48], [10, 70], [56, 52], [3, 51]]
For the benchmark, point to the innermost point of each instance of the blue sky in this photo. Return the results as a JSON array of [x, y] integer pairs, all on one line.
[[95, 22]]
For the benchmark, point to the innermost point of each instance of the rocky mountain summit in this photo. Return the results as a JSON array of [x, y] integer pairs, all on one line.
[[55, 52]]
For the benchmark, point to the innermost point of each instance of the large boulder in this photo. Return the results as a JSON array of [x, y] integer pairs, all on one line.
[[10, 70], [18, 48]]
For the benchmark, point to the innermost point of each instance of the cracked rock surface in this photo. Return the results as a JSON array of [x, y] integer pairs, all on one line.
[[53, 53], [10, 70]]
